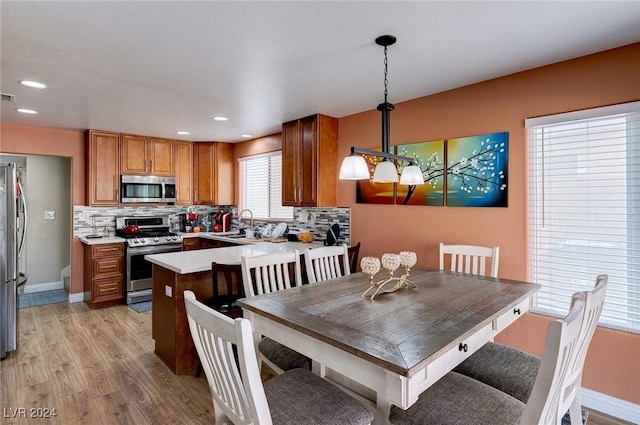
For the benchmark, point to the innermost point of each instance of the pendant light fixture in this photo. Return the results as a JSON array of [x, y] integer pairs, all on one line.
[[354, 167]]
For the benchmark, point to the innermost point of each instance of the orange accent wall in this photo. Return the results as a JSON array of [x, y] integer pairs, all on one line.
[[498, 105], [28, 140]]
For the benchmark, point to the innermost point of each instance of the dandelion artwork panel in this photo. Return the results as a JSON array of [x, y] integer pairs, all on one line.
[[368, 192], [477, 171], [429, 157]]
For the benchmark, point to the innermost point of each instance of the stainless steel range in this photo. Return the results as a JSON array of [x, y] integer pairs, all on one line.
[[144, 235]]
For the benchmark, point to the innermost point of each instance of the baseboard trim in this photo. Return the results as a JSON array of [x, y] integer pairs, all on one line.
[[613, 406], [41, 287], [77, 297]]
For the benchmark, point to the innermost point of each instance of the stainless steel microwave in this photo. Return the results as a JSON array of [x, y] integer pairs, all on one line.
[[147, 189]]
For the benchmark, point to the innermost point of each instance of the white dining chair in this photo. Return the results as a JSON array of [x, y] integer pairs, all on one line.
[[460, 399], [514, 372], [239, 396], [264, 274], [470, 259], [327, 262]]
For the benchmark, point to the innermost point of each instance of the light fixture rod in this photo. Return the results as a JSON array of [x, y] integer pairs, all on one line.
[[385, 108], [386, 155]]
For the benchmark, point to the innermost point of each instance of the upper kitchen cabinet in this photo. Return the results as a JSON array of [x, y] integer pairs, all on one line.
[[146, 155], [183, 159], [213, 173], [309, 161], [103, 173]]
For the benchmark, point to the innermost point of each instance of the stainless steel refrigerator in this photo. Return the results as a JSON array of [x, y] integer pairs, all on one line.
[[12, 237]]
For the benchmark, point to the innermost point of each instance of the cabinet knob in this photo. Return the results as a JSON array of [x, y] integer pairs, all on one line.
[[463, 347], [516, 311]]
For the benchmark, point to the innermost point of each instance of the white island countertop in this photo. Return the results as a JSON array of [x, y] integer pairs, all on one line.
[[185, 262]]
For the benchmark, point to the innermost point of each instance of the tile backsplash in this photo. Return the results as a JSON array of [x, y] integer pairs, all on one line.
[[102, 220]]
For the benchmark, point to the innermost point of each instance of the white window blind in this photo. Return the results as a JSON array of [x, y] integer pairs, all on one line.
[[584, 210], [261, 186]]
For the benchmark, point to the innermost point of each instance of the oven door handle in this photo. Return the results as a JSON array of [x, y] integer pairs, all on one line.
[[157, 249]]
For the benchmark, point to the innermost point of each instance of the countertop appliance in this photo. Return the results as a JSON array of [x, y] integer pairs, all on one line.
[[188, 221], [152, 237], [147, 189], [222, 222], [13, 224], [332, 235]]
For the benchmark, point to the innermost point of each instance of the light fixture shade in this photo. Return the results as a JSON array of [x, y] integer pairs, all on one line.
[[385, 172], [354, 167], [412, 174]]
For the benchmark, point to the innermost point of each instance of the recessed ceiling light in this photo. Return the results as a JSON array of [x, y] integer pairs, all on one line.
[[246, 136], [221, 118], [27, 111], [182, 132], [33, 84]]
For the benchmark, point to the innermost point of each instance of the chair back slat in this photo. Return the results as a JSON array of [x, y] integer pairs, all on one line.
[[326, 263], [214, 335], [550, 397], [470, 259], [267, 273], [593, 309], [594, 302], [354, 252]]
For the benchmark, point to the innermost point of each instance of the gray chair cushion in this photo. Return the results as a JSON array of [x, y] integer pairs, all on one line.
[[505, 368], [459, 400], [298, 397], [282, 356]]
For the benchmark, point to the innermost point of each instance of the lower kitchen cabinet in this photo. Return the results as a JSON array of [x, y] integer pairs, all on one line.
[[104, 274], [190, 244]]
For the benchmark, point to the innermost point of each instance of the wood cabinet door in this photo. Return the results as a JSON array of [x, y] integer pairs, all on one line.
[[161, 157], [108, 289], [108, 267], [290, 163], [203, 176], [103, 172], [308, 169], [107, 250], [224, 174], [134, 155], [190, 244], [213, 173], [183, 158]]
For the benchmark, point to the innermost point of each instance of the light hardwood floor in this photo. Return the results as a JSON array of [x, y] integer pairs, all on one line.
[[98, 367]]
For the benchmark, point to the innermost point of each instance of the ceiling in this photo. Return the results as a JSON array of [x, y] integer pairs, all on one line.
[[154, 68]]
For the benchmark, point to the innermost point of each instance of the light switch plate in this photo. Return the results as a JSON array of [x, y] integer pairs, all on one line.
[[49, 215], [168, 291]]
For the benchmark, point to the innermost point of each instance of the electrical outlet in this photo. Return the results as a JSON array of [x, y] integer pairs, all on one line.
[[168, 291], [49, 215]]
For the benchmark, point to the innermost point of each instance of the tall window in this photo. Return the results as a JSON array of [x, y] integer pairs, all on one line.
[[261, 186], [584, 209]]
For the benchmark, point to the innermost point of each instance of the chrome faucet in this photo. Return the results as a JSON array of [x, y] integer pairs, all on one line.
[[251, 217]]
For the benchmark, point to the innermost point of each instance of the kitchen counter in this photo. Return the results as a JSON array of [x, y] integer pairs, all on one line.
[[226, 237], [185, 262], [103, 240], [220, 236], [176, 272]]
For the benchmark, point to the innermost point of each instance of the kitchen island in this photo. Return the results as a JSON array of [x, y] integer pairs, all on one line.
[[176, 272]]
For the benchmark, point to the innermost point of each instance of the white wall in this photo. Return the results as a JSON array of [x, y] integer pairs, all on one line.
[[47, 188]]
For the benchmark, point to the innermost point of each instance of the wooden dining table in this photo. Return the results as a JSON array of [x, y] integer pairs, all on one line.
[[390, 349]]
